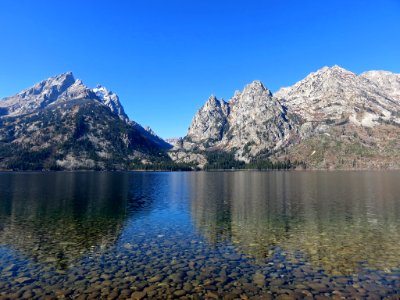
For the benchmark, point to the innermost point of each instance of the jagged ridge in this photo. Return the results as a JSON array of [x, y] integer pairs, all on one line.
[[354, 116], [60, 123]]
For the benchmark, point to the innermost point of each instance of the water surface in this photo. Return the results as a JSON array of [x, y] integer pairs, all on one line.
[[226, 235]]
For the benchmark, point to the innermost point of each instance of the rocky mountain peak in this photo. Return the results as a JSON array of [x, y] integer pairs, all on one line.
[[257, 121], [57, 84], [331, 99], [111, 100], [335, 69], [321, 81], [67, 76], [328, 76], [78, 90], [68, 73], [250, 122], [256, 87], [212, 100], [214, 103], [72, 126], [63, 87], [101, 91], [336, 94], [38, 96], [253, 95], [209, 121]]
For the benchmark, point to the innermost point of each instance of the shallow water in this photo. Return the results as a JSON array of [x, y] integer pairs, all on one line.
[[216, 235]]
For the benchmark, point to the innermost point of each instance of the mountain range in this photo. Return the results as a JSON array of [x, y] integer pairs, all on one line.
[[332, 119], [60, 123]]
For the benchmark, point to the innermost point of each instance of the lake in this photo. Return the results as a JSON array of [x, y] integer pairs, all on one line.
[[197, 235]]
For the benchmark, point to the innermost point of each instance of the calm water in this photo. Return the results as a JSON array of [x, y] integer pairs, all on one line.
[[222, 235]]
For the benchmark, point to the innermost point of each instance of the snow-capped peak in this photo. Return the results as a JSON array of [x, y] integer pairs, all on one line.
[[63, 87], [39, 95], [111, 100], [101, 91]]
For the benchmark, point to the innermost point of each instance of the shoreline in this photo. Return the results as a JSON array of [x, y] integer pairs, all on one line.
[[197, 171]]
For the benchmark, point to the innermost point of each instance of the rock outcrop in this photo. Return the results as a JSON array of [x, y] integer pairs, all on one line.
[[251, 122]]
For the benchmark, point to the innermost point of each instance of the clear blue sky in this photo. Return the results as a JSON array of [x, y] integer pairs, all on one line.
[[164, 58]]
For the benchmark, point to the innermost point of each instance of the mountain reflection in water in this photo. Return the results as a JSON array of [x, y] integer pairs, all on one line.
[[340, 220], [202, 234]]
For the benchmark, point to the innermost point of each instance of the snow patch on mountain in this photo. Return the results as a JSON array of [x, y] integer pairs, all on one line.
[[111, 100]]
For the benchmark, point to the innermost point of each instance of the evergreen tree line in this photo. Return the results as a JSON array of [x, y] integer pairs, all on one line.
[[223, 161], [162, 165]]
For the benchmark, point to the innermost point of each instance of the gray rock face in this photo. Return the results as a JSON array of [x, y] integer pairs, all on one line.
[[188, 157], [38, 96], [209, 123], [61, 123], [56, 89], [331, 115], [387, 82], [252, 121], [257, 122], [346, 120], [175, 142], [111, 100]]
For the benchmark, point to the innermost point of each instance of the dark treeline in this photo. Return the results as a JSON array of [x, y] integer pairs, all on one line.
[[25, 159], [226, 161], [217, 160], [162, 165], [269, 165]]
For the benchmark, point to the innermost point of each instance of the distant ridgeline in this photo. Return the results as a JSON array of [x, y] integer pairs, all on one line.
[[332, 119]]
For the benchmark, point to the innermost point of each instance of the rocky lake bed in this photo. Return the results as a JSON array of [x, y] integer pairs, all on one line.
[[233, 235]]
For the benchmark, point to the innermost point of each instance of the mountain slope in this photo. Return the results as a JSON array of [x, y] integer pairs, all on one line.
[[333, 118], [333, 94], [387, 82], [258, 122], [346, 120], [60, 123], [38, 96], [251, 123], [57, 89], [209, 123], [111, 100]]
